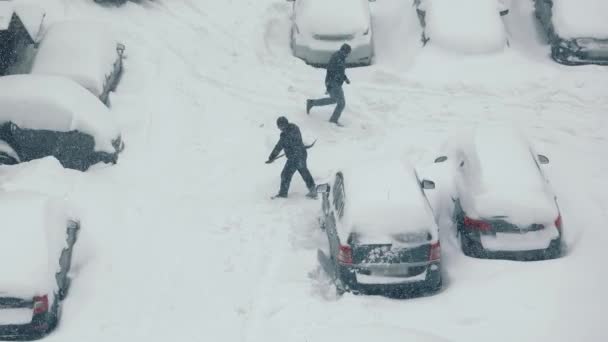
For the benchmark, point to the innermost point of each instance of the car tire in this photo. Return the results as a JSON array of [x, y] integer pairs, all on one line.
[[469, 246]]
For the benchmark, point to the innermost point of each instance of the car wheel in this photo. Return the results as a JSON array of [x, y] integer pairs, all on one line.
[[469, 246]]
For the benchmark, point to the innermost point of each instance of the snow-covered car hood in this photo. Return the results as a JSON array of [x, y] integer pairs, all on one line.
[[333, 17], [84, 52], [581, 18], [58, 104], [32, 241], [384, 200], [471, 26]]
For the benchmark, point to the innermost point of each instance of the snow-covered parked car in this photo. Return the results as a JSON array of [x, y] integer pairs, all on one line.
[[84, 52], [19, 27], [53, 116], [577, 30], [38, 237], [381, 235], [320, 27], [471, 26], [504, 206]]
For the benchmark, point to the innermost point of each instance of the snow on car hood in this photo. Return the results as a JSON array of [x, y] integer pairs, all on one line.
[[31, 236], [581, 18], [90, 49], [385, 199], [334, 17], [470, 26], [58, 104]]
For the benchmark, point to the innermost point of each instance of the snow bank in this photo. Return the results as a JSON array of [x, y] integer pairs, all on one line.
[[581, 18], [383, 199], [32, 243], [501, 178], [470, 26], [54, 103], [320, 16], [82, 51]]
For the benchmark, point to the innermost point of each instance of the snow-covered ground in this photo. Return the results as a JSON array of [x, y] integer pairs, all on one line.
[[179, 240]]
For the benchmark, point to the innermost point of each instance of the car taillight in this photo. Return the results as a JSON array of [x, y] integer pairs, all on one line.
[[345, 255], [435, 253], [41, 304], [558, 223], [477, 224]]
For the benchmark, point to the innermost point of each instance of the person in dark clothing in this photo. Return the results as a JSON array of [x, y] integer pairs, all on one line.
[[334, 79], [295, 151]]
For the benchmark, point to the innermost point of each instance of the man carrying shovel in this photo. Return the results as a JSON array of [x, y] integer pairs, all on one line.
[[295, 151]]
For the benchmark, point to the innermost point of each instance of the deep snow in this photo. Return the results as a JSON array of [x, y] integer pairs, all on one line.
[[179, 240]]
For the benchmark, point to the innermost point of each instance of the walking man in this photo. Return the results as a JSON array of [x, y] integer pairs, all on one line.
[[295, 151], [334, 79]]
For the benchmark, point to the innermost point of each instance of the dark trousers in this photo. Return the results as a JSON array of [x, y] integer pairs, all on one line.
[[291, 166], [336, 96]]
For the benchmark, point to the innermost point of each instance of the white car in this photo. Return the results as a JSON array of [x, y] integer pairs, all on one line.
[[38, 237], [576, 29], [83, 52], [381, 235], [320, 27], [44, 116], [504, 206], [470, 26]]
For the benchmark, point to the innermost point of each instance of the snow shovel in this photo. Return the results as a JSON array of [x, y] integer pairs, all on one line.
[[283, 154]]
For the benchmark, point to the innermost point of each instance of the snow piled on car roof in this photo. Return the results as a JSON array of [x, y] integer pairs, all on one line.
[[32, 235], [321, 16], [504, 179], [469, 26], [58, 104], [581, 18], [82, 51], [384, 197]]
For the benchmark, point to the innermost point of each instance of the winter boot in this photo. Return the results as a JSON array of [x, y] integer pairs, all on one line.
[[312, 193]]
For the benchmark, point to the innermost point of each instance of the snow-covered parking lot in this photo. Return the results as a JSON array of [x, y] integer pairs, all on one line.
[[179, 240]]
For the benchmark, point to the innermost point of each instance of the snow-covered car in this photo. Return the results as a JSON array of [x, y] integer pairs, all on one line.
[[19, 27], [83, 52], [381, 235], [471, 26], [320, 27], [504, 206], [53, 116], [38, 237], [576, 29]]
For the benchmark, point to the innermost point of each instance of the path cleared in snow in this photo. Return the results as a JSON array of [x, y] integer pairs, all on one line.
[[180, 240]]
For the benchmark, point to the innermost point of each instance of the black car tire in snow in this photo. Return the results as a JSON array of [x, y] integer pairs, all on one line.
[[469, 246]]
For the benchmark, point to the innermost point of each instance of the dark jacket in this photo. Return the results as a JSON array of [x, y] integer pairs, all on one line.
[[291, 143], [335, 70]]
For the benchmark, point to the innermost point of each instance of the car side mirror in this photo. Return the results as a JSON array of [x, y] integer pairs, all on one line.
[[427, 184], [543, 159], [323, 188], [441, 159]]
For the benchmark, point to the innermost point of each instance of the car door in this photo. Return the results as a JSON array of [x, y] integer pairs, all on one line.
[[331, 202], [65, 259]]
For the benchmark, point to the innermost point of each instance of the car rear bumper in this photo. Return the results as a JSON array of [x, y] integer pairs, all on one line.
[[429, 281], [549, 250], [26, 332], [561, 53]]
